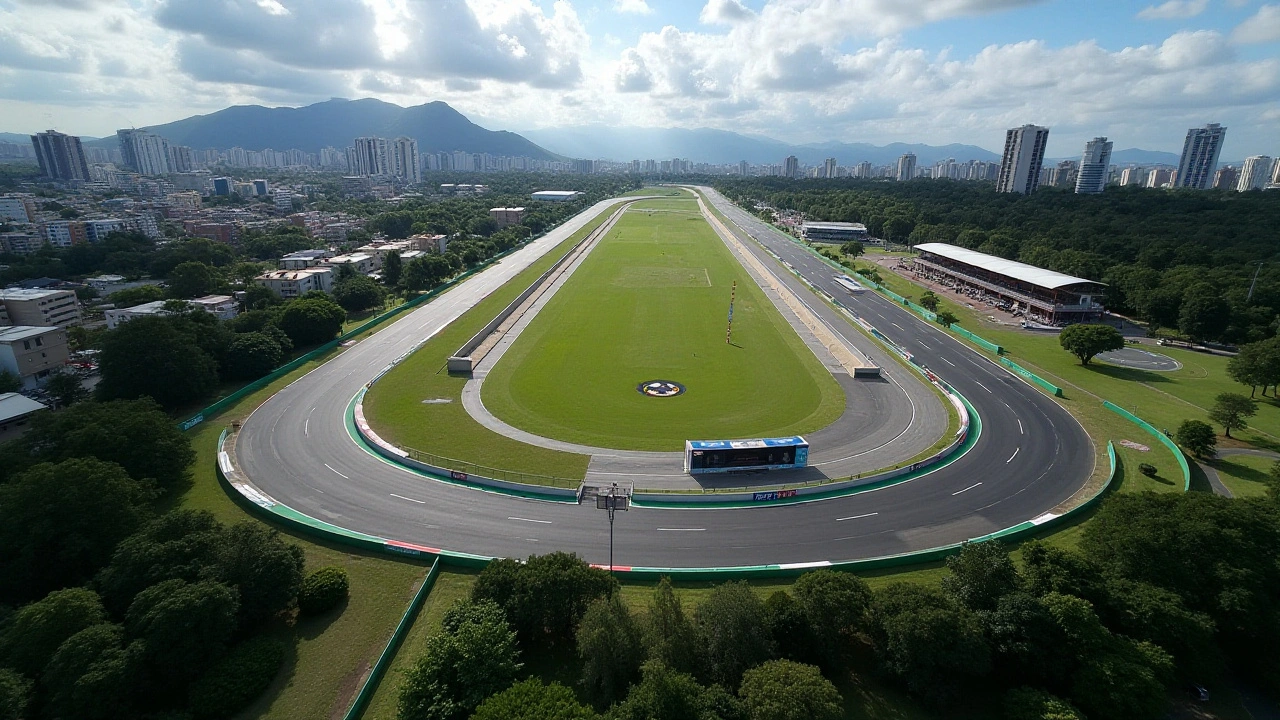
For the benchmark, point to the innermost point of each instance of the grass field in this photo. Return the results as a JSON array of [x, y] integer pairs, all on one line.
[[1244, 475], [650, 303]]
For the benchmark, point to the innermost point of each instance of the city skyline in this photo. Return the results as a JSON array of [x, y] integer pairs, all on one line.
[[804, 72]]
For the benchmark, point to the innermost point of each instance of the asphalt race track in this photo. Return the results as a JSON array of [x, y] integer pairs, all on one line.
[[1032, 456]]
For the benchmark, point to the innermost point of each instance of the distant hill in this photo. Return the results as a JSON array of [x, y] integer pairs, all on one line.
[[1131, 156], [436, 126], [722, 146]]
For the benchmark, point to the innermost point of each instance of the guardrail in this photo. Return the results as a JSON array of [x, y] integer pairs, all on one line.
[[1164, 439], [1057, 391]]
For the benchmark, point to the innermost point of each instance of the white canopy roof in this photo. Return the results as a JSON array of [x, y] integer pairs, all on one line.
[[1039, 277], [13, 405]]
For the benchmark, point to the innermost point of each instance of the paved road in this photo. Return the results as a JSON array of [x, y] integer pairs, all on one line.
[[1031, 457], [1211, 473]]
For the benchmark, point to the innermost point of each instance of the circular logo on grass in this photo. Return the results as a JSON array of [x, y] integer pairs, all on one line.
[[660, 388]]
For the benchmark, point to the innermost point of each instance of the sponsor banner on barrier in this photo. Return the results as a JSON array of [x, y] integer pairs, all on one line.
[[775, 495], [405, 548], [192, 422]]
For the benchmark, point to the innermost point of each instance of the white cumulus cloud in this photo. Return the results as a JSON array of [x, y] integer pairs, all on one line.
[[1173, 10], [1263, 27]]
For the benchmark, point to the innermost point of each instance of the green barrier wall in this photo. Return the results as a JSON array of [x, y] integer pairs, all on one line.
[[1177, 451], [1057, 391], [393, 645], [979, 341]]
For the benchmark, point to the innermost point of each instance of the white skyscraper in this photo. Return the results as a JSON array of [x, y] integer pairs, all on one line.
[[144, 152], [791, 166], [906, 167], [829, 168], [1200, 156], [370, 157], [1093, 166], [1254, 174], [1023, 156], [404, 159]]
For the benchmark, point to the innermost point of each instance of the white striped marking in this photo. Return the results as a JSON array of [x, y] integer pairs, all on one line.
[[335, 470], [1020, 430], [306, 425], [682, 529], [966, 489], [898, 326], [856, 517], [948, 362], [926, 347], [1014, 455], [542, 522], [420, 502], [984, 387]]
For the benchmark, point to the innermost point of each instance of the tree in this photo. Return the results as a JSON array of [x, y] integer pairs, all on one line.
[[427, 271], [664, 694], [929, 643], [267, 571], [1204, 313], [180, 544], [786, 690], [33, 634], [1230, 410], [835, 601], [59, 523], [980, 575], [91, 675], [1198, 437], [184, 628], [1085, 340], [669, 635], [323, 590], [236, 680], [792, 635], [191, 279], [946, 318], [252, 355], [136, 295], [732, 636], [1250, 367], [9, 383], [473, 657], [532, 700], [358, 293], [546, 596], [392, 268], [1031, 704], [929, 301], [66, 389], [853, 249], [312, 320], [15, 694], [611, 648], [149, 356]]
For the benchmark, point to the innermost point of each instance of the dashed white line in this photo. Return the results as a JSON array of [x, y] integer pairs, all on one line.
[[306, 426], [856, 517], [682, 529], [1020, 430], [335, 470], [926, 347], [967, 489], [1014, 455], [984, 387], [898, 326], [420, 502], [541, 522], [948, 362]]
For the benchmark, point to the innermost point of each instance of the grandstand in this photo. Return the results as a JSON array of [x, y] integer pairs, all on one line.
[[1039, 295]]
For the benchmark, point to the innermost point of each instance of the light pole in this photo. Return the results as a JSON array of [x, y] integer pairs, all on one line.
[[1254, 284], [613, 499]]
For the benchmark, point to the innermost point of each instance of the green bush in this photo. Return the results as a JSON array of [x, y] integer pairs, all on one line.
[[238, 679], [323, 590], [1147, 469]]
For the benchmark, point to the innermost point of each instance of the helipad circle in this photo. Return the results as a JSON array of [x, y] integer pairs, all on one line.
[[1139, 359], [660, 388]]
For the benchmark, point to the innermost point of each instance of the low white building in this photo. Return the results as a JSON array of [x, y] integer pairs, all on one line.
[[290, 284], [360, 262], [223, 307], [303, 259], [555, 195]]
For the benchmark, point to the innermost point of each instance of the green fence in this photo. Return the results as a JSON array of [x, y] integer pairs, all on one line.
[[979, 341], [371, 683], [1177, 451], [1057, 391]]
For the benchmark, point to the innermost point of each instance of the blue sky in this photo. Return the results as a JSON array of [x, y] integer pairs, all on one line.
[[878, 71]]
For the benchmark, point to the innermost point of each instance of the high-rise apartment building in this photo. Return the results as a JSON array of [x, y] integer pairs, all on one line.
[[791, 166], [1200, 156], [144, 152], [1254, 174], [829, 168], [1023, 156], [369, 157], [1159, 177], [181, 159], [906, 167], [1094, 165], [404, 159], [60, 156], [1225, 178]]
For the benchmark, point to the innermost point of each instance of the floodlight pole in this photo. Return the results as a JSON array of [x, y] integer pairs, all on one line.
[[612, 506]]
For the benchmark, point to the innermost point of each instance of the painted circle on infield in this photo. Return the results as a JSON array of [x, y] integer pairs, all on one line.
[[660, 388]]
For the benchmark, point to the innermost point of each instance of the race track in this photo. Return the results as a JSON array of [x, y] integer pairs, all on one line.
[[1032, 456]]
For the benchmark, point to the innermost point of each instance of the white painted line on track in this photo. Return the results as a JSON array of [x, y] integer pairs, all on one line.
[[420, 502], [926, 347], [1014, 455], [856, 517], [682, 529], [984, 387], [306, 427], [540, 522], [335, 470], [948, 362], [966, 489], [897, 326], [1020, 430]]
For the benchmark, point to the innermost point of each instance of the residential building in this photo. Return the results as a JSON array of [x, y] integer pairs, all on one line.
[[17, 208], [863, 170], [261, 188], [64, 233], [369, 156], [1064, 174], [1275, 172], [1200, 156], [791, 166], [1133, 175], [363, 264], [189, 199], [98, 230], [1254, 174], [60, 156], [1094, 164], [222, 186], [744, 169], [20, 243], [507, 216], [144, 152], [181, 159], [430, 243], [116, 316], [40, 308], [906, 168], [404, 160], [33, 353], [304, 259], [223, 307], [283, 201], [1023, 156], [555, 195], [290, 284], [1158, 177], [356, 185], [829, 168]]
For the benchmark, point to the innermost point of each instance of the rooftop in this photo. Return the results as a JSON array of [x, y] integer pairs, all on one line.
[[835, 226], [1047, 279], [28, 293], [13, 405], [292, 274], [22, 332]]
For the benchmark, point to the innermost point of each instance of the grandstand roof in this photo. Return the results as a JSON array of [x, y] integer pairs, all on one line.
[[1039, 277]]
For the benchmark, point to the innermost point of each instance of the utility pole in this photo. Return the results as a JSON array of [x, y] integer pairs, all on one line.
[[613, 499]]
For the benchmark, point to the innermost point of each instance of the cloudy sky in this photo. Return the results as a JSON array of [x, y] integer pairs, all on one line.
[[934, 71]]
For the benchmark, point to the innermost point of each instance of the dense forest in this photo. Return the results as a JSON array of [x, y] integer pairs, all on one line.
[[1180, 259]]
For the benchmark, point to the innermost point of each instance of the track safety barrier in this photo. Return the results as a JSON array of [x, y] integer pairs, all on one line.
[[1032, 377], [1164, 439]]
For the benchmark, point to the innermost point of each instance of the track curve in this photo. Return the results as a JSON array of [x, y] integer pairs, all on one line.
[[1031, 457]]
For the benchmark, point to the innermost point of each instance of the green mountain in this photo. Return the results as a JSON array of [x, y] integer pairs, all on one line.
[[436, 126]]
